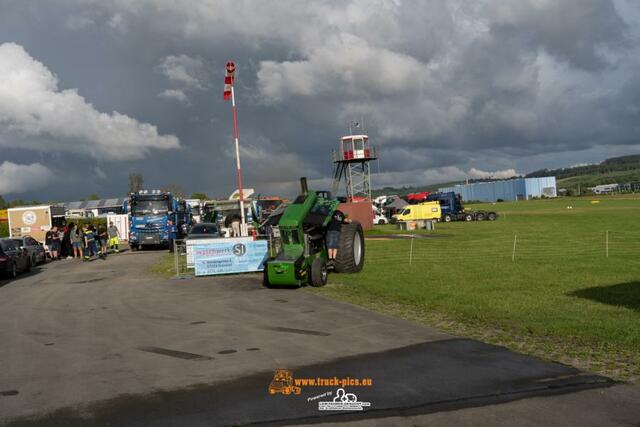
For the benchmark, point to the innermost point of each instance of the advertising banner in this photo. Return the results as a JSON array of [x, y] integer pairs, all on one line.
[[227, 256], [190, 243]]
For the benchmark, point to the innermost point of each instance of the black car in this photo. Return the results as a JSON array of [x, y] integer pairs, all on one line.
[[13, 259], [204, 230]]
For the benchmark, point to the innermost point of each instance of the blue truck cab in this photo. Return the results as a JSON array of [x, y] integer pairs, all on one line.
[[149, 215], [453, 210]]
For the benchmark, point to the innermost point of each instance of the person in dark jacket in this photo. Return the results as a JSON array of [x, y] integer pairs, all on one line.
[[173, 233], [66, 250], [333, 234], [90, 249], [52, 240], [103, 238]]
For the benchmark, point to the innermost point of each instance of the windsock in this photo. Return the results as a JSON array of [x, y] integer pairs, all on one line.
[[228, 79]]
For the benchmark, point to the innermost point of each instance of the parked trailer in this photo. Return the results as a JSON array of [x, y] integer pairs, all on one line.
[[34, 221], [453, 209]]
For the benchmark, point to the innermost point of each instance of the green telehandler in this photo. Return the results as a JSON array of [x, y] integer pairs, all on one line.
[[302, 258]]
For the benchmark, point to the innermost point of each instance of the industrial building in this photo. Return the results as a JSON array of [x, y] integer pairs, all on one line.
[[512, 189], [87, 208]]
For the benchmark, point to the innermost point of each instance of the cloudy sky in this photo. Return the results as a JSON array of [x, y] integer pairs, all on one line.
[[91, 90]]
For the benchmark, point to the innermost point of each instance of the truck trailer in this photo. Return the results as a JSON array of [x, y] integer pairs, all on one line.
[[453, 209], [34, 221]]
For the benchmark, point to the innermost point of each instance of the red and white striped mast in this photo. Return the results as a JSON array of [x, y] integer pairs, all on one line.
[[229, 93]]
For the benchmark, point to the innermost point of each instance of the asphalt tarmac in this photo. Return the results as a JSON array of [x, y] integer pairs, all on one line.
[[106, 343]]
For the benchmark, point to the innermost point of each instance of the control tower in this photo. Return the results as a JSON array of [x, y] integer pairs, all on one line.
[[352, 166]]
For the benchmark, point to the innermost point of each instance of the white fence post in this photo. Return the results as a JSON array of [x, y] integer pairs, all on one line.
[[411, 251], [176, 260], [513, 255], [607, 243]]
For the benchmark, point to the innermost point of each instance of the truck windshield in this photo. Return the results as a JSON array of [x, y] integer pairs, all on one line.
[[142, 207]]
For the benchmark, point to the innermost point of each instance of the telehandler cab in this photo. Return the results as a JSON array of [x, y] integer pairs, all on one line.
[[302, 258]]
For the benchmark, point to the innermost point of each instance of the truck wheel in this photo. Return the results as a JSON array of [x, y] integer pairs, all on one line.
[[492, 216], [13, 273], [134, 247], [447, 218], [480, 216], [381, 222], [468, 217], [350, 258], [319, 272]]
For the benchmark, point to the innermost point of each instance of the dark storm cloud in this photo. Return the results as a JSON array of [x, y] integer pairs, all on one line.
[[442, 87]]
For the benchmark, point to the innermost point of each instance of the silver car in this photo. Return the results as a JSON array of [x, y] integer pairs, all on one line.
[[35, 250]]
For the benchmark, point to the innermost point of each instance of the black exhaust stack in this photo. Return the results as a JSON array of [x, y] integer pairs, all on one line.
[[303, 186]]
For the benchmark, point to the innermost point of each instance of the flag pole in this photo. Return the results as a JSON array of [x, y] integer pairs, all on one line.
[[243, 225]]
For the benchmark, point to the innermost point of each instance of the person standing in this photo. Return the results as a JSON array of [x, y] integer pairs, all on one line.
[[89, 243], [48, 240], [75, 237], [333, 234], [173, 231], [52, 240], [103, 238], [65, 241], [114, 237], [235, 228]]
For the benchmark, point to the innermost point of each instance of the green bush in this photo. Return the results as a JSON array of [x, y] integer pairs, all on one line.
[[81, 221]]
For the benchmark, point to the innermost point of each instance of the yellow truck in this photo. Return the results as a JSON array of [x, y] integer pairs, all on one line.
[[419, 212]]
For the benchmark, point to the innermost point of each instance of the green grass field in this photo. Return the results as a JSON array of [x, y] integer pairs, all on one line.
[[565, 297]]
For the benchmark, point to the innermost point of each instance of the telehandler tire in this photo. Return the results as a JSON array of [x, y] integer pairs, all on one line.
[[350, 258], [265, 278], [319, 273]]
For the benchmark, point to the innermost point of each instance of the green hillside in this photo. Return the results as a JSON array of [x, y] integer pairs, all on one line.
[[614, 170], [401, 191], [615, 164], [591, 180]]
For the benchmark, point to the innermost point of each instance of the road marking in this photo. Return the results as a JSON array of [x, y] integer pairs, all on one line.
[[298, 331], [174, 353]]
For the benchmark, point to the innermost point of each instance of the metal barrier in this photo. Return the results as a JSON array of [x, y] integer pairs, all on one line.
[[180, 260]]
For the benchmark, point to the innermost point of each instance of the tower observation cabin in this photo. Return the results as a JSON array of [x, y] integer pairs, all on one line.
[[352, 167]]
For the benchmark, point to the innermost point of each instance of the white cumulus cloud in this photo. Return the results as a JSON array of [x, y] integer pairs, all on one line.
[[16, 178], [500, 174], [184, 70], [31, 104], [175, 94]]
